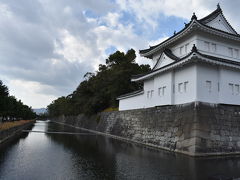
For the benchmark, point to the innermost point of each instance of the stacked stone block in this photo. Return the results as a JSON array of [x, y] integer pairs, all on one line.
[[196, 129]]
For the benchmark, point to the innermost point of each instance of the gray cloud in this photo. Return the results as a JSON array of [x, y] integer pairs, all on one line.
[[51, 44], [29, 33]]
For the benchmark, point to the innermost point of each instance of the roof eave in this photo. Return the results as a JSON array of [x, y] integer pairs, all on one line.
[[195, 24], [213, 15], [130, 95], [163, 69], [169, 40], [191, 57]]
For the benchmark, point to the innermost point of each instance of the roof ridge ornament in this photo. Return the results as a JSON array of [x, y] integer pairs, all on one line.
[[194, 17], [196, 24], [194, 48], [218, 6]]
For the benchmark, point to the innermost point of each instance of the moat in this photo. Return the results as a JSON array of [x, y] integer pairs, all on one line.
[[68, 153]]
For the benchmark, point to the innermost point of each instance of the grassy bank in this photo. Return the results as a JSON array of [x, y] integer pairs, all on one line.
[[8, 125]]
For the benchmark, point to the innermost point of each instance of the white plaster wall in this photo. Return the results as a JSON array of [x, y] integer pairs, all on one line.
[[155, 58], [163, 61], [156, 55], [185, 74], [220, 23], [222, 47], [168, 80], [226, 94], [149, 86], [190, 41], [196, 77], [220, 78], [160, 81], [135, 102], [175, 48], [204, 93]]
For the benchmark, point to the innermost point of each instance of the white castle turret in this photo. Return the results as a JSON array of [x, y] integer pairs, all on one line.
[[199, 63]]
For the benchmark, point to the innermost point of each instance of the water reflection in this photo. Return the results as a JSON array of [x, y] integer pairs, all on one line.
[[64, 156]]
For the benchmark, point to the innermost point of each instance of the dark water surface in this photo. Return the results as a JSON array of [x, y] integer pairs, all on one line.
[[86, 156]]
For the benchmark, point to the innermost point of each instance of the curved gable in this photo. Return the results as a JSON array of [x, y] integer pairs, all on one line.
[[162, 61], [215, 23], [220, 23]]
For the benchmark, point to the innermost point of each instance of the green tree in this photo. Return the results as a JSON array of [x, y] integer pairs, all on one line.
[[3, 90], [99, 90], [11, 108]]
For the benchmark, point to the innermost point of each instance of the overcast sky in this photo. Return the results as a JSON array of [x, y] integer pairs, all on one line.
[[46, 46]]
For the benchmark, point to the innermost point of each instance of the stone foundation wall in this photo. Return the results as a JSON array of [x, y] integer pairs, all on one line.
[[196, 129], [217, 129], [7, 134]]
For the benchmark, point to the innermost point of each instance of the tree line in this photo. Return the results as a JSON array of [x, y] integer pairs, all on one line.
[[99, 90], [11, 108]]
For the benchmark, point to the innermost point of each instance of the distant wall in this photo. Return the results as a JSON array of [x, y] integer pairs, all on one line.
[[196, 129], [134, 102], [218, 47], [165, 89], [194, 82], [225, 85]]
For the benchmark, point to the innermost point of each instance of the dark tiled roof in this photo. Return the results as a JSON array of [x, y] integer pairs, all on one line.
[[219, 59], [179, 59], [130, 94], [203, 22], [213, 15], [168, 53], [194, 50], [137, 75], [153, 47], [236, 35]]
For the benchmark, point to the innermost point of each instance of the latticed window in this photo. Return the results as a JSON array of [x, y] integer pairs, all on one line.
[[214, 47], [230, 52], [209, 86], [180, 87], [236, 53], [231, 88], [185, 86], [206, 46], [160, 91], [152, 91], [237, 90]]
